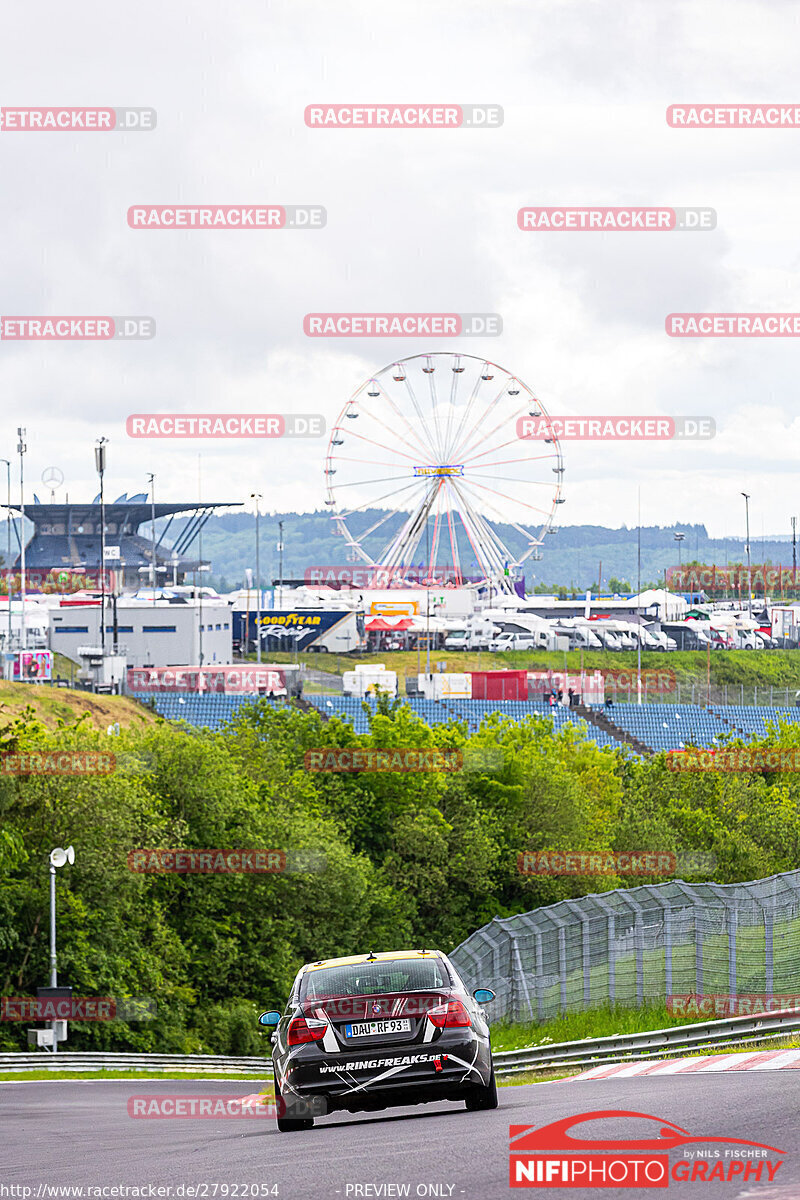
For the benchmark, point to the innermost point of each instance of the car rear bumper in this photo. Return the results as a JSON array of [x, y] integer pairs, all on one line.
[[391, 1076]]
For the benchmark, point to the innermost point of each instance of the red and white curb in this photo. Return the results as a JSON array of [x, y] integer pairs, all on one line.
[[765, 1060]]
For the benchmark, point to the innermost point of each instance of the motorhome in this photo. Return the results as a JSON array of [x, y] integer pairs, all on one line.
[[663, 640], [623, 631], [608, 638], [579, 637], [644, 638], [475, 634], [529, 633]]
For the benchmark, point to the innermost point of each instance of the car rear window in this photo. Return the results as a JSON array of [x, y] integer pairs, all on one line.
[[374, 978]]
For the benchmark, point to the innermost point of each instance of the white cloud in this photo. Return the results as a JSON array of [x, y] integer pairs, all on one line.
[[417, 221]]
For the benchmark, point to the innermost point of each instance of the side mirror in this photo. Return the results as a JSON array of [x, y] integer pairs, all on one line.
[[269, 1018], [483, 995]]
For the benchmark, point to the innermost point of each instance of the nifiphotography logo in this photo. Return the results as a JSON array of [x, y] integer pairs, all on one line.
[[552, 1156]]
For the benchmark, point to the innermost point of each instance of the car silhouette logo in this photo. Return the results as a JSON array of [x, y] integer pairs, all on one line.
[[525, 1138]]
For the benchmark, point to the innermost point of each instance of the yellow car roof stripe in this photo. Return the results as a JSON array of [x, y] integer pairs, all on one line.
[[356, 959]]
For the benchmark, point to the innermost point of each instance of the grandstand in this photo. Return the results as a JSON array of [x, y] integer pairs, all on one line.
[[670, 726], [472, 712], [752, 721], [212, 711], [203, 711], [67, 536], [673, 726], [657, 726]]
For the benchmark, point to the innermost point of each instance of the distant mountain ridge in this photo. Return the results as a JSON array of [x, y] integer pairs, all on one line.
[[576, 555], [572, 556]]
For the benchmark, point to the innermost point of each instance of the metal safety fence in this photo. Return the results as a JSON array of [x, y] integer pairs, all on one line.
[[698, 1038], [103, 1060], [640, 945]]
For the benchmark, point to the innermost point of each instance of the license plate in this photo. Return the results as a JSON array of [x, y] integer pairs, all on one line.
[[371, 1028]]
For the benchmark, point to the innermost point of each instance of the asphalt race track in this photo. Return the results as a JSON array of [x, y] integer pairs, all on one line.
[[75, 1133]]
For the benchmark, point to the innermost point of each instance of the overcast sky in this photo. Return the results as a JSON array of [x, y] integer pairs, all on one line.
[[417, 221]]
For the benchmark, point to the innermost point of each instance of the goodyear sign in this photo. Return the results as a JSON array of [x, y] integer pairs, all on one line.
[[284, 629]]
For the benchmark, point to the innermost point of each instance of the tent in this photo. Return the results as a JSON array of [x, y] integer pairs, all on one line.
[[384, 625]]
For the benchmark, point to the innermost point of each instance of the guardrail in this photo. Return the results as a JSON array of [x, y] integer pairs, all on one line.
[[590, 1052], [90, 1060], [654, 1043]]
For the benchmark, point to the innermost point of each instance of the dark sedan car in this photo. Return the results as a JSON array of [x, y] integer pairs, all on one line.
[[365, 1033]]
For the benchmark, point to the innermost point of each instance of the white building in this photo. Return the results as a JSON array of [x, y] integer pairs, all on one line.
[[161, 633]]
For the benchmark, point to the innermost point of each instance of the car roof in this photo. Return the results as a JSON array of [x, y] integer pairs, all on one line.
[[357, 959]]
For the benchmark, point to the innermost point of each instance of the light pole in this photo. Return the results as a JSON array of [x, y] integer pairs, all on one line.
[[152, 481], [100, 465], [248, 578], [21, 448], [639, 604], [58, 858], [747, 548], [280, 563], [8, 548], [679, 538], [257, 497], [199, 595]]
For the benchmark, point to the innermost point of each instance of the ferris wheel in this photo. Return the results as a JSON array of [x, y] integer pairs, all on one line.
[[425, 464]]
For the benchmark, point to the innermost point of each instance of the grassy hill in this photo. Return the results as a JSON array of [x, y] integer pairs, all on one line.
[[51, 705]]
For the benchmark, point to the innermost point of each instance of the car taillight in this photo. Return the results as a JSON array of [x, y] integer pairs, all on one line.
[[300, 1030], [449, 1015]]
